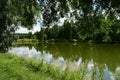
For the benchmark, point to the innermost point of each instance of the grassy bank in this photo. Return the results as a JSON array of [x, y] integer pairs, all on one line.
[[17, 68], [25, 41]]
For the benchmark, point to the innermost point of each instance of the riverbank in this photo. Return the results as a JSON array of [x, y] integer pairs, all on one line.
[[17, 68], [74, 41], [25, 41]]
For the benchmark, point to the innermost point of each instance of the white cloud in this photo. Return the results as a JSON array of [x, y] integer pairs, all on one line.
[[35, 29], [22, 30], [61, 21], [25, 30]]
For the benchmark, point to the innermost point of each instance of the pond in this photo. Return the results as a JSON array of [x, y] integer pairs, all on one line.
[[100, 53]]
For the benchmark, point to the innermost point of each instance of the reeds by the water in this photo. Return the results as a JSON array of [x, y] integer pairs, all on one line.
[[85, 71]]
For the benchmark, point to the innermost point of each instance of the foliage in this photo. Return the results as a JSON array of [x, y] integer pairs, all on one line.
[[30, 35], [55, 9], [106, 31], [95, 20], [6, 30], [12, 14], [40, 35]]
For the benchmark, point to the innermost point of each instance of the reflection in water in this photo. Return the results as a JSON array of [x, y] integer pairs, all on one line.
[[25, 51], [118, 69], [107, 74], [61, 63], [90, 66], [100, 53]]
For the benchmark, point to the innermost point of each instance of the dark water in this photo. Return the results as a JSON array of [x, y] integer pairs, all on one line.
[[100, 53]]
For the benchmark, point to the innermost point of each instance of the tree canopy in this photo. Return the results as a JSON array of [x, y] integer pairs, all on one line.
[[94, 19], [12, 14]]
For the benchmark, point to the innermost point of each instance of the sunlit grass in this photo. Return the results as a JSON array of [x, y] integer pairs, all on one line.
[[15, 68], [25, 41]]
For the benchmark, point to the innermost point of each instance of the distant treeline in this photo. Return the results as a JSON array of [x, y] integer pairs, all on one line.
[[87, 32]]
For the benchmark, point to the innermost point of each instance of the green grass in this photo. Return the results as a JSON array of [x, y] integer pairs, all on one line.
[[25, 41], [17, 68]]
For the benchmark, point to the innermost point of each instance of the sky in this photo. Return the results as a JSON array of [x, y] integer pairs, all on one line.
[[37, 27], [25, 30]]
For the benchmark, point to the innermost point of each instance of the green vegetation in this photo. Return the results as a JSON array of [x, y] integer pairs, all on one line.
[[15, 13], [94, 20], [25, 41], [17, 68], [86, 20], [67, 32]]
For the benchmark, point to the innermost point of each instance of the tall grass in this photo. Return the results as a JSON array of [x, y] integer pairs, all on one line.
[[80, 73]]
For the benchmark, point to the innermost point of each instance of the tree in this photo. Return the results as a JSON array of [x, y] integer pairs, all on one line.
[[12, 14], [92, 17], [40, 35], [26, 13], [30, 35]]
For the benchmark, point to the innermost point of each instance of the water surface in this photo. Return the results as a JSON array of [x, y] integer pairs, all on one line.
[[100, 53]]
